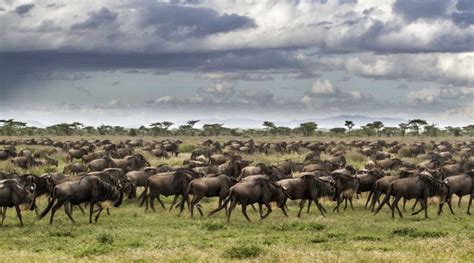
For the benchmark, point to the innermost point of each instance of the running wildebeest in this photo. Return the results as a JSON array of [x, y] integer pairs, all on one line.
[[89, 189]]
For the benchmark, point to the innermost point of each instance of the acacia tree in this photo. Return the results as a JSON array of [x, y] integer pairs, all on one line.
[[156, 128], [416, 124], [308, 128], [431, 130], [166, 125], [338, 130], [468, 130], [349, 125], [454, 131], [269, 127], [403, 127], [212, 129], [192, 123]]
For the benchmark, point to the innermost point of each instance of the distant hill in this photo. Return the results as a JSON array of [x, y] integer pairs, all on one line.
[[330, 122]]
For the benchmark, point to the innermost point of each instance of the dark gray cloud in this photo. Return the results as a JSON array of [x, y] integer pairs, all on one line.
[[174, 21], [412, 10], [96, 19], [24, 9], [464, 14]]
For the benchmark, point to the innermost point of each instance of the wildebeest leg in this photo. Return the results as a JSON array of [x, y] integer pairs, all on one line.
[[375, 198], [108, 211], [371, 193], [68, 213], [254, 209], [283, 210], [260, 211], [395, 205], [174, 202], [320, 207], [80, 208], [232, 207], [18, 213], [244, 211], [309, 205], [98, 214], [459, 201], [350, 202], [54, 209], [141, 198], [152, 203], [159, 200], [345, 203], [269, 209], [414, 205], [301, 206], [194, 202], [418, 211], [91, 211], [404, 204], [339, 201], [449, 205], [469, 205], [425, 206], [4, 213]]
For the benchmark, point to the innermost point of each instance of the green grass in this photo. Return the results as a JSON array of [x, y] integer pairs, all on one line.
[[130, 234]]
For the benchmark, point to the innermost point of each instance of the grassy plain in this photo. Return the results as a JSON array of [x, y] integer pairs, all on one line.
[[130, 234]]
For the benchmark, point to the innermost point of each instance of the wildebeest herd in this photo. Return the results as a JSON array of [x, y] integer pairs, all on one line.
[[100, 171]]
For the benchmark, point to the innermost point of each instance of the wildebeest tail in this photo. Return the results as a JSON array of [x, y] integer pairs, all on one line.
[[50, 205]]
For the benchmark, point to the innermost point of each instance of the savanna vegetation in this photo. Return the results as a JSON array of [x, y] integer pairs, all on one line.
[[131, 234]]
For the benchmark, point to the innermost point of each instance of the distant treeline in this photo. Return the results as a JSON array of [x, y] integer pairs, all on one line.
[[413, 127]]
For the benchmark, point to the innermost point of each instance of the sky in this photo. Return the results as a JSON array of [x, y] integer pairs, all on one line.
[[124, 62]]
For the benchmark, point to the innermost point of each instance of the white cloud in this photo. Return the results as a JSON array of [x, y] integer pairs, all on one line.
[[324, 87]]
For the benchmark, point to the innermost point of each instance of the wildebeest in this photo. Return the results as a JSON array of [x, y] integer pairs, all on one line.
[[8, 152], [367, 182], [74, 168], [218, 185], [131, 162], [347, 184], [171, 183], [100, 164], [24, 162], [13, 194], [460, 185], [89, 189], [76, 154], [261, 191], [307, 187], [419, 187]]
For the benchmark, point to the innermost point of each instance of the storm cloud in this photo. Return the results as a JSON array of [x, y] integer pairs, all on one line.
[[273, 58]]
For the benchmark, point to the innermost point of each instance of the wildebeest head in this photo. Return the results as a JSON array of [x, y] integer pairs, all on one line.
[[435, 186]]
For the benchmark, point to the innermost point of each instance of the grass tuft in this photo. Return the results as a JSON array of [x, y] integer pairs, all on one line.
[[211, 225], [417, 233], [105, 238], [243, 251]]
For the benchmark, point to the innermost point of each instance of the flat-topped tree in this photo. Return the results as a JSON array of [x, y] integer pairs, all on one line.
[[349, 125], [416, 124], [308, 128]]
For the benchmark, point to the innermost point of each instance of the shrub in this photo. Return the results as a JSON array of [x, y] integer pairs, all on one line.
[[244, 251]]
